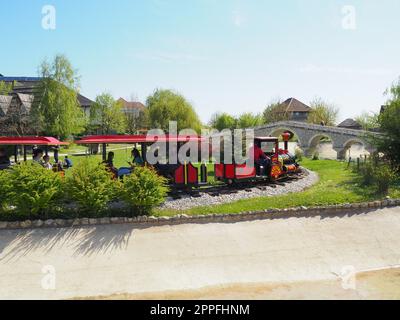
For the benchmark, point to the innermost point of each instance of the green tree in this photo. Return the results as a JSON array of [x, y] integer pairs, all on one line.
[[323, 112], [106, 115], [221, 121], [58, 112], [368, 121], [249, 120], [134, 123], [5, 88], [273, 113], [389, 121], [165, 106]]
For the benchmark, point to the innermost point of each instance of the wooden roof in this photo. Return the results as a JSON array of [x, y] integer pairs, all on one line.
[[31, 86], [5, 102], [131, 105], [293, 105], [349, 123]]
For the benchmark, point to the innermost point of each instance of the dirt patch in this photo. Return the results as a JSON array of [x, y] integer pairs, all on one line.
[[379, 284]]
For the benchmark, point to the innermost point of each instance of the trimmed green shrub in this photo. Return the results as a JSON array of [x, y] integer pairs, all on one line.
[[91, 186], [33, 190], [384, 177], [143, 190], [299, 154], [5, 187], [367, 172]]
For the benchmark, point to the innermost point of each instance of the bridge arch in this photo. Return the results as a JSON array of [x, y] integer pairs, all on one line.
[[316, 139], [277, 132], [355, 141]]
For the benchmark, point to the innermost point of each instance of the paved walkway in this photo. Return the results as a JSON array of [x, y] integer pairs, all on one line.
[[113, 259]]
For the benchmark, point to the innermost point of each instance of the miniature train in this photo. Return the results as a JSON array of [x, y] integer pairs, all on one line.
[[280, 162]]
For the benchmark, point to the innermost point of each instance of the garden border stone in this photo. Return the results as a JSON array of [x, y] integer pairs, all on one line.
[[268, 214]]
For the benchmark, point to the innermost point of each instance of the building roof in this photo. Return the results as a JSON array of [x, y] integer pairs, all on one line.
[[26, 101], [5, 102], [293, 105], [131, 105], [29, 85], [83, 101], [349, 123], [20, 79]]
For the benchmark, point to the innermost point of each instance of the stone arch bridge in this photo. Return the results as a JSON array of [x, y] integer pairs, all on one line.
[[309, 136]]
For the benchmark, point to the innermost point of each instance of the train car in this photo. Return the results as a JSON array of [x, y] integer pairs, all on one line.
[[187, 174], [26, 142], [235, 173], [179, 174]]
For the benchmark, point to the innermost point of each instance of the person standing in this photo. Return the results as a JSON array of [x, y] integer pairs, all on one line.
[[4, 160]]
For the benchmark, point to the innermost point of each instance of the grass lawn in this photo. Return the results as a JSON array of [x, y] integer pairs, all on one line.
[[337, 185], [122, 154]]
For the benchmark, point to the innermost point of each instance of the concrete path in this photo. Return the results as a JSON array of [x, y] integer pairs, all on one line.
[[105, 260]]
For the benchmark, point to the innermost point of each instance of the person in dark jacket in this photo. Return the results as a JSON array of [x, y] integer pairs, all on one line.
[[4, 160], [67, 163]]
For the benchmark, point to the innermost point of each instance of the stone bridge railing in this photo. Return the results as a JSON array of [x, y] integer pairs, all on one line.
[[309, 136]]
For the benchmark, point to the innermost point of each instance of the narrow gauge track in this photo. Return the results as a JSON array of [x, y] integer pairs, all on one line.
[[224, 188]]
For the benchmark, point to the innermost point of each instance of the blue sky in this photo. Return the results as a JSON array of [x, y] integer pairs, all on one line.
[[231, 56]]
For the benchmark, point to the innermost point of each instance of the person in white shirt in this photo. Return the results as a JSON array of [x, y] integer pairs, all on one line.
[[46, 163]]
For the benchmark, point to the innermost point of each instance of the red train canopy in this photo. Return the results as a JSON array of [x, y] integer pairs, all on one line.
[[116, 139], [31, 141]]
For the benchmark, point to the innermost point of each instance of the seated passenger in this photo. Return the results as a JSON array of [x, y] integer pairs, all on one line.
[[58, 167], [110, 163], [46, 163], [137, 159], [4, 160], [37, 156], [67, 163]]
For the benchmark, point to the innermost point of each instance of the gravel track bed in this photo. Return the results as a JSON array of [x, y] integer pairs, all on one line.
[[188, 202]]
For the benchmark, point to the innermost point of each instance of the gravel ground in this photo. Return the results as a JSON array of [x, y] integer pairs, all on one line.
[[188, 202]]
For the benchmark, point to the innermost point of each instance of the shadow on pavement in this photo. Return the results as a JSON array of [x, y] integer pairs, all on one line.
[[14, 244]]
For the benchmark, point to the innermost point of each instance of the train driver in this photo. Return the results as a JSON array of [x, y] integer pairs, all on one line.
[[260, 158]]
